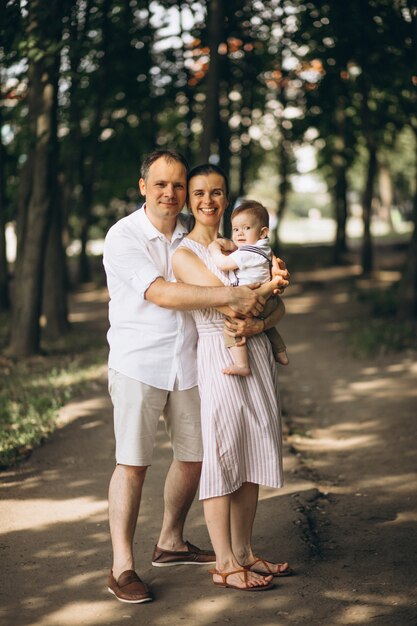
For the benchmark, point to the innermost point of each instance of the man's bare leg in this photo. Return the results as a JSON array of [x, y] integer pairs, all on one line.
[[125, 492], [180, 488]]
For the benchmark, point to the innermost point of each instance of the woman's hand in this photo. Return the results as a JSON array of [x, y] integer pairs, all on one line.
[[244, 327]]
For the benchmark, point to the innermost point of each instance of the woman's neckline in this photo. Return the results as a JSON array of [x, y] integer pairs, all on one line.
[[201, 243]]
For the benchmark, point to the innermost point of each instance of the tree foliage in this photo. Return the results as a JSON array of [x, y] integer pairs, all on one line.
[[239, 83]]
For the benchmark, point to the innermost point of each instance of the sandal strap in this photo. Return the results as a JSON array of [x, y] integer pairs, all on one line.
[[258, 559], [225, 575]]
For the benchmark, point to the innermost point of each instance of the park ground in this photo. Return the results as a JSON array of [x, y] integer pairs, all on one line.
[[346, 519]]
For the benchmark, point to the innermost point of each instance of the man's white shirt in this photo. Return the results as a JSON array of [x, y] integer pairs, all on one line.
[[148, 343]]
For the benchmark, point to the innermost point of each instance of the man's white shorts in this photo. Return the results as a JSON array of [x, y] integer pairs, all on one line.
[[137, 408]]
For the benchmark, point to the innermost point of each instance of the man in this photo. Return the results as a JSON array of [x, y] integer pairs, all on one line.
[[152, 368]]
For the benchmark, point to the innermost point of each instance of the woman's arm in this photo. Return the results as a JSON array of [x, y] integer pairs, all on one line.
[[189, 269]]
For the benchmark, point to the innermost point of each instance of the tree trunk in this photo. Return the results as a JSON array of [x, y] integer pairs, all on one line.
[[88, 177], [211, 112], [339, 166], [283, 187], [4, 278], [368, 194], [367, 249], [84, 271], [54, 307], [340, 210], [385, 194], [186, 89], [42, 110], [407, 296]]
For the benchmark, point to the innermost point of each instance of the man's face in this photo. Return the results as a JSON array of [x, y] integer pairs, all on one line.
[[165, 190]]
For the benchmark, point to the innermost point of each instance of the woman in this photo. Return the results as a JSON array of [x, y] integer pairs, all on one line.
[[240, 415]]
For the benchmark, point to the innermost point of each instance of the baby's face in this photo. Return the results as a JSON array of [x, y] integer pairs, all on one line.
[[246, 229]]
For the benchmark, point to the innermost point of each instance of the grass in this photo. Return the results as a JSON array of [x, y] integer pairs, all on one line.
[[33, 390], [379, 331], [378, 336]]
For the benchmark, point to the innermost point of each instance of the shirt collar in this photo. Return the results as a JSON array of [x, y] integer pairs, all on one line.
[[152, 232], [262, 243]]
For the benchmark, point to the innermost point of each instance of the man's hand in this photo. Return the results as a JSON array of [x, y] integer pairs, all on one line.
[[245, 301], [279, 270], [243, 327]]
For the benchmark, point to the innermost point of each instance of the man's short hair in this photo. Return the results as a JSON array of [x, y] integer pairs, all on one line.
[[253, 208], [168, 155]]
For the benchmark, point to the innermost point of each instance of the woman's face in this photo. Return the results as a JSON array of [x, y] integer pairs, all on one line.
[[207, 198]]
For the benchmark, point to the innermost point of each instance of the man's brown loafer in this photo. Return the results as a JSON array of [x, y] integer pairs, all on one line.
[[129, 588], [192, 556]]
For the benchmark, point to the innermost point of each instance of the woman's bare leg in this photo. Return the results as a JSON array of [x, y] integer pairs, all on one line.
[[243, 510], [242, 515], [217, 513]]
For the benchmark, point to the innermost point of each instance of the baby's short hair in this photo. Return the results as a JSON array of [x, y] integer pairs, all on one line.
[[253, 208]]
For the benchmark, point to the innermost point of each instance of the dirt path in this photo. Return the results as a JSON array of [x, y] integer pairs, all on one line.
[[354, 424], [345, 520]]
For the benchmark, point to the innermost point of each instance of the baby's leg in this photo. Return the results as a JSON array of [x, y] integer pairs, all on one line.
[[279, 348], [240, 366]]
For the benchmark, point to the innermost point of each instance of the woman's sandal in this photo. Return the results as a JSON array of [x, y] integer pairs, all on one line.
[[244, 571], [269, 571]]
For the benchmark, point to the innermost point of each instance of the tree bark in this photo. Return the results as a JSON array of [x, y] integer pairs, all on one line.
[[89, 174], [211, 113], [339, 166], [368, 194], [340, 210], [55, 307], [283, 187], [45, 27], [4, 274], [367, 248], [407, 295]]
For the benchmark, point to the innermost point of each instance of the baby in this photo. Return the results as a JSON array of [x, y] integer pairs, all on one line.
[[251, 263]]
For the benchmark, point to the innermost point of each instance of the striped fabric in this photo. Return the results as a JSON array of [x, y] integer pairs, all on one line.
[[241, 420]]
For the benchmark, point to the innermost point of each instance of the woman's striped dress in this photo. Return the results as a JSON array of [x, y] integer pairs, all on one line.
[[240, 416]]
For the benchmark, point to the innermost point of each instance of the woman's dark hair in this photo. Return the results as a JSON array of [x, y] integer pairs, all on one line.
[[208, 168], [169, 155]]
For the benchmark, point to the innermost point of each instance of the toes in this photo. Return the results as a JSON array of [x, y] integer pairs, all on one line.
[[282, 567]]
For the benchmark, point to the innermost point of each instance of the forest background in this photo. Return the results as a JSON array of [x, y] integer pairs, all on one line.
[[311, 107]]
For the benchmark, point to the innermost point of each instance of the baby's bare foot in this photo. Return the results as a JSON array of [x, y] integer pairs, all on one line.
[[282, 358], [237, 370]]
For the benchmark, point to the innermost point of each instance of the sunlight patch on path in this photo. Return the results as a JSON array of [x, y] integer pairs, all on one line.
[[14, 513]]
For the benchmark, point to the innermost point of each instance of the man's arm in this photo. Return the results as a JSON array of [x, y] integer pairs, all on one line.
[[184, 297], [255, 325], [202, 289]]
